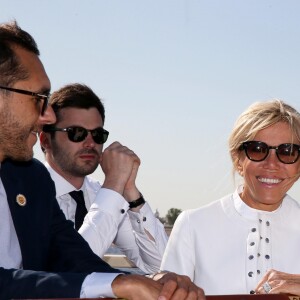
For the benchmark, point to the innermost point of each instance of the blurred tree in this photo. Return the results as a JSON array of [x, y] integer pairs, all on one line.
[[161, 219], [172, 215]]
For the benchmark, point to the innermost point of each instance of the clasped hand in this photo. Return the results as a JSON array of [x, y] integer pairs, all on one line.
[[165, 286], [120, 166], [279, 283]]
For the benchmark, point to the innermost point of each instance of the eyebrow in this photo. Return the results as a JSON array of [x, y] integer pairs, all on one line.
[[44, 92]]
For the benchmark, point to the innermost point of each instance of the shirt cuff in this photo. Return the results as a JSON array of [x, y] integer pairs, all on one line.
[[143, 219], [97, 285], [110, 202]]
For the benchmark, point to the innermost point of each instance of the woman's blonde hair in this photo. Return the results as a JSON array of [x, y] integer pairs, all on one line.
[[258, 116]]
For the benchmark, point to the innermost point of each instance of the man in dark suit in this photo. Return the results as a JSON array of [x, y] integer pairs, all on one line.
[[41, 255]]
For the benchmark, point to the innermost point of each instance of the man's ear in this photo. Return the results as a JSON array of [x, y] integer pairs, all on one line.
[[45, 140]]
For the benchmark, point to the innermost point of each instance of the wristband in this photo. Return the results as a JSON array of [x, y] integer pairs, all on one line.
[[137, 202]]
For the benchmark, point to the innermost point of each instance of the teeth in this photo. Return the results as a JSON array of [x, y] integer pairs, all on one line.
[[269, 180]]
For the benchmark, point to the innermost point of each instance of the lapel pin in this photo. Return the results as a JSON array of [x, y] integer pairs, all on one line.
[[21, 200]]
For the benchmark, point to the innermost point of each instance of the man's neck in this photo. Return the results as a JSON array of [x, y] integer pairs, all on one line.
[[76, 181]]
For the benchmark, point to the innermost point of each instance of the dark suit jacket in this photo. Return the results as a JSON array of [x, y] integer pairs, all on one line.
[[56, 259]]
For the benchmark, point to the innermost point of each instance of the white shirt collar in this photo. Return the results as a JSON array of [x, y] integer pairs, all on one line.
[[61, 184], [246, 211]]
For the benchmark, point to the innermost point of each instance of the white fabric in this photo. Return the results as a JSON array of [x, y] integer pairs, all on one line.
[[226, 247], [96, 285], [10, 252], [109, 220]]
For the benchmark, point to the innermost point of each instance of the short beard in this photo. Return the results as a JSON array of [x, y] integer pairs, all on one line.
[[67, 163], [13, 138]]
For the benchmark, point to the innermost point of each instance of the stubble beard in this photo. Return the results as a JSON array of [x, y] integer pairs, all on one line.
[[68, 164], [14, 138]]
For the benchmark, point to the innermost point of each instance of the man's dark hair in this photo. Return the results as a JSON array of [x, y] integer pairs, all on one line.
[[75, 95], [11, 35]]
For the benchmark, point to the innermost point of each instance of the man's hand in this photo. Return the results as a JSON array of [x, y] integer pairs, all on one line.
[[119, 164], [168, 286], [136, 287], [130, 190], [275, 282], [178, 287]]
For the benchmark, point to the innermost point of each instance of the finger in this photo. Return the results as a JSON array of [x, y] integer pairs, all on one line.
[[114, 145], [261, 290], [263, 280], [181, 292], [192, 294], [195, 293], [183, 287], [200, 294], [168, 289], [187, 290], [100, 158], [286, 287], [130, 154], [137, 162]]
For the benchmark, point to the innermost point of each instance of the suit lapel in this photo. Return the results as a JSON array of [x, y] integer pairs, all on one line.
[[20, 206]]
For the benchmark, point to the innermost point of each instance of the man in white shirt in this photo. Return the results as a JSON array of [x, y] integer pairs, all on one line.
[[118, 212], [41, 255]]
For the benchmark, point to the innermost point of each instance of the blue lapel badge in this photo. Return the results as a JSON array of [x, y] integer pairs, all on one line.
[[21, 200]]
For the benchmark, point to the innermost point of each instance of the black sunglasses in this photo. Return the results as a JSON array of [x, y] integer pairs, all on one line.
[[38, 97], [78, 134], [258, 151]]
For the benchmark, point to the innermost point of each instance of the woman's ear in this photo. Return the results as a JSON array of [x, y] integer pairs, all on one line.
[[240, 167], [239, 164]]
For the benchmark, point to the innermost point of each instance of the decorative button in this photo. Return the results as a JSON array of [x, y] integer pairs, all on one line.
[[258, 271], [268, 223], [253, 229], [260, 220], [138, 221], [267, 256], [251, 257], [267, 240], [250, 274], [261, 237], [252, 244], [258, 254], [144, 219], [122, 211], [21, 200], [252, 292]]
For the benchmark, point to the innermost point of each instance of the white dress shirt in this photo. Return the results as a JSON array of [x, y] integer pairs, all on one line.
[[10, 251], [226, 247], [109, 220]]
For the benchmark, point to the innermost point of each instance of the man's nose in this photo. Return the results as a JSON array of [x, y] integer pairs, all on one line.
[[48, 117], [89, 141]]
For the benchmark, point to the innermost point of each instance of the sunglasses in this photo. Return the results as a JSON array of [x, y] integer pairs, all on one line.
[[258, 151], [78, 134], [37, 96]]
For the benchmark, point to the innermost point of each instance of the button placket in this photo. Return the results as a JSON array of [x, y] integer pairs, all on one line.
[[265, 248], [253, 241]]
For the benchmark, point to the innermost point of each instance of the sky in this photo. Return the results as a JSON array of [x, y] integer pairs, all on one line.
[[173, 75]]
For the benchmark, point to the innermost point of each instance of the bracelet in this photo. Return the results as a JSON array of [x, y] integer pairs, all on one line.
[[152, 276], [137, 202]]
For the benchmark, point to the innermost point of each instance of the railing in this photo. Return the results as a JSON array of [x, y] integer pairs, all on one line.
[[217, 297]]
